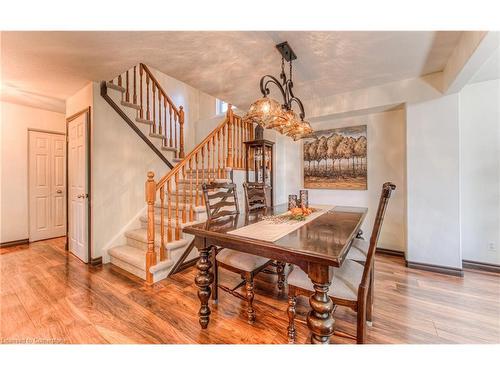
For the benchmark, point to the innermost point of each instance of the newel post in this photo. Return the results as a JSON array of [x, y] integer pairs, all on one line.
[[229, 114], [181, 132], [150, 200]]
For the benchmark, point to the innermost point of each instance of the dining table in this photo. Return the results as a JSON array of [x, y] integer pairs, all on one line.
[[317, 245]]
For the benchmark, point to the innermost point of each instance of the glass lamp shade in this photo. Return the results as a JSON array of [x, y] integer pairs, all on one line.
[[301, 130], [285, 123], [264, 111]]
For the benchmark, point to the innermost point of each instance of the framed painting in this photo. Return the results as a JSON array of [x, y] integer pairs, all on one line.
[[336, 159]]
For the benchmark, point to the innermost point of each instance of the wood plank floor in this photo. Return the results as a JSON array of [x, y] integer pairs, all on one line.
[[48, 296]]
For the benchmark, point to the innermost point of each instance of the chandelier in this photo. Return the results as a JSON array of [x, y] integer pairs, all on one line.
[[269, 113]]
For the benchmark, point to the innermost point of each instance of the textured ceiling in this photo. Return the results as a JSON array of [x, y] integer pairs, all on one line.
[[227, 65]]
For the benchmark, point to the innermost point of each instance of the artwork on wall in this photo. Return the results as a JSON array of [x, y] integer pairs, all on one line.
[[336, 159]]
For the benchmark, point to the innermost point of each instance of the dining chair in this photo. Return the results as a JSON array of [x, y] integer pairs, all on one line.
[[255, 199], [221, 200], [352, 283]]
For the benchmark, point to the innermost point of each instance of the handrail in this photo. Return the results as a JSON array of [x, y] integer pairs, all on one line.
[[143, 92], [161, 182], [152, 77], [104, 94], [221, 150]]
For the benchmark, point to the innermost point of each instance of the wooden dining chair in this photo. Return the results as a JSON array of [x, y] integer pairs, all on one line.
[[351, 283], [221, 200], [255, 199]]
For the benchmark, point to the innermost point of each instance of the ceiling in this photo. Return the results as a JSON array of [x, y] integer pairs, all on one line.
[[227, 65], [489, 70]]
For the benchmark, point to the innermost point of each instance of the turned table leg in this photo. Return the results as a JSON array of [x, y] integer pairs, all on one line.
[[204, 280], [320, 320]]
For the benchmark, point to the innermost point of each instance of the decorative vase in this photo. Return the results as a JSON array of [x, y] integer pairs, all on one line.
[[292, 201], [304, 199]]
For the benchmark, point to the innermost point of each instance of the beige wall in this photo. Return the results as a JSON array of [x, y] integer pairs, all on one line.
[[81, 100], [121, 160], [15, 122], [386, 133], [197, 105], [480, 172]]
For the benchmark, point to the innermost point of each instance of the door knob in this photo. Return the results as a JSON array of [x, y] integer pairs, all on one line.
[[58, 191], [79, 196]]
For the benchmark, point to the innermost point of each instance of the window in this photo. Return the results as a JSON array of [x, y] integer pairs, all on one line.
[[221, 107]]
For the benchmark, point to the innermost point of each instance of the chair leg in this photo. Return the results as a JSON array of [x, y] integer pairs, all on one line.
[[250, 296], [215, 289], [369, 302], [361, 323], [292, 301], [280, 269]]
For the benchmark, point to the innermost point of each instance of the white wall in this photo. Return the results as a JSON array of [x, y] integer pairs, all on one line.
[[480, 171], [81, 100], [16, 120], [433, 182], [121, 160], [197, 105], [386, 133]]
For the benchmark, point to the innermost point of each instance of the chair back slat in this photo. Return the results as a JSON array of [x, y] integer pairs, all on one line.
[[226, 196], [255, 196], [387, 189]]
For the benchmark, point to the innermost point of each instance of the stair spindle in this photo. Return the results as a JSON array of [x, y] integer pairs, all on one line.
[[135, 86], [141, 111], [241, 142], [208, 161], [163, 254], [224, 149], [197, 203], [127, 92], [181, 132], [229, 115], [184, 194], [203, 164], [191, 211], [170, 142], [148, 117], [176, 140], [153, 88], [169, 210], [160, 130], [165, 122], [177, 226], [219, 167]]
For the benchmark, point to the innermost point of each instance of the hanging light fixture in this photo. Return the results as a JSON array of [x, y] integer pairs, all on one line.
[[269, 113]]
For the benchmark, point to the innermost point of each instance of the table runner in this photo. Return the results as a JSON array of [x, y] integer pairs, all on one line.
[[267, 230]]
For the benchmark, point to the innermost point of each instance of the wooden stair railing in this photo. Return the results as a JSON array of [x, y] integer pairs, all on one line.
[[142, 91], [213, 158]]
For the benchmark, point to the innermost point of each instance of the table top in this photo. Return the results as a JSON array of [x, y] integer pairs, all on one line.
[[325, 239]]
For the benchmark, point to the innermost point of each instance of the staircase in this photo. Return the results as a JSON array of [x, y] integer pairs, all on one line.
[[158, 247]]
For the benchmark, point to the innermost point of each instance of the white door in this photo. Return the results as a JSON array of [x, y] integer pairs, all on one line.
[[47, 185], [77, 182]]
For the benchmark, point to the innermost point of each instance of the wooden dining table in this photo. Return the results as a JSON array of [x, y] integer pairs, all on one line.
[[315, 247]]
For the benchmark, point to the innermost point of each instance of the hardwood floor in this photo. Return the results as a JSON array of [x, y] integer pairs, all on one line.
[[48, 296]]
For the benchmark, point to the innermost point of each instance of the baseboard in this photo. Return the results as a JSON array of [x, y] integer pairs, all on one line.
[[96, 261], [471, 264], [24, 241], [433, 268], [396, 253]]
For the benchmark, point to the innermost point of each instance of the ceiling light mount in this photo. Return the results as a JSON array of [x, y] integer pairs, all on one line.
[[268, 113], [286, 51]]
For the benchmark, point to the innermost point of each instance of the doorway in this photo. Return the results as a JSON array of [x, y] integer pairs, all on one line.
[[78, 166], [47, 185]]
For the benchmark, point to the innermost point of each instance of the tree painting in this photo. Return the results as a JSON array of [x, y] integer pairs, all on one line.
[[336, 159]]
